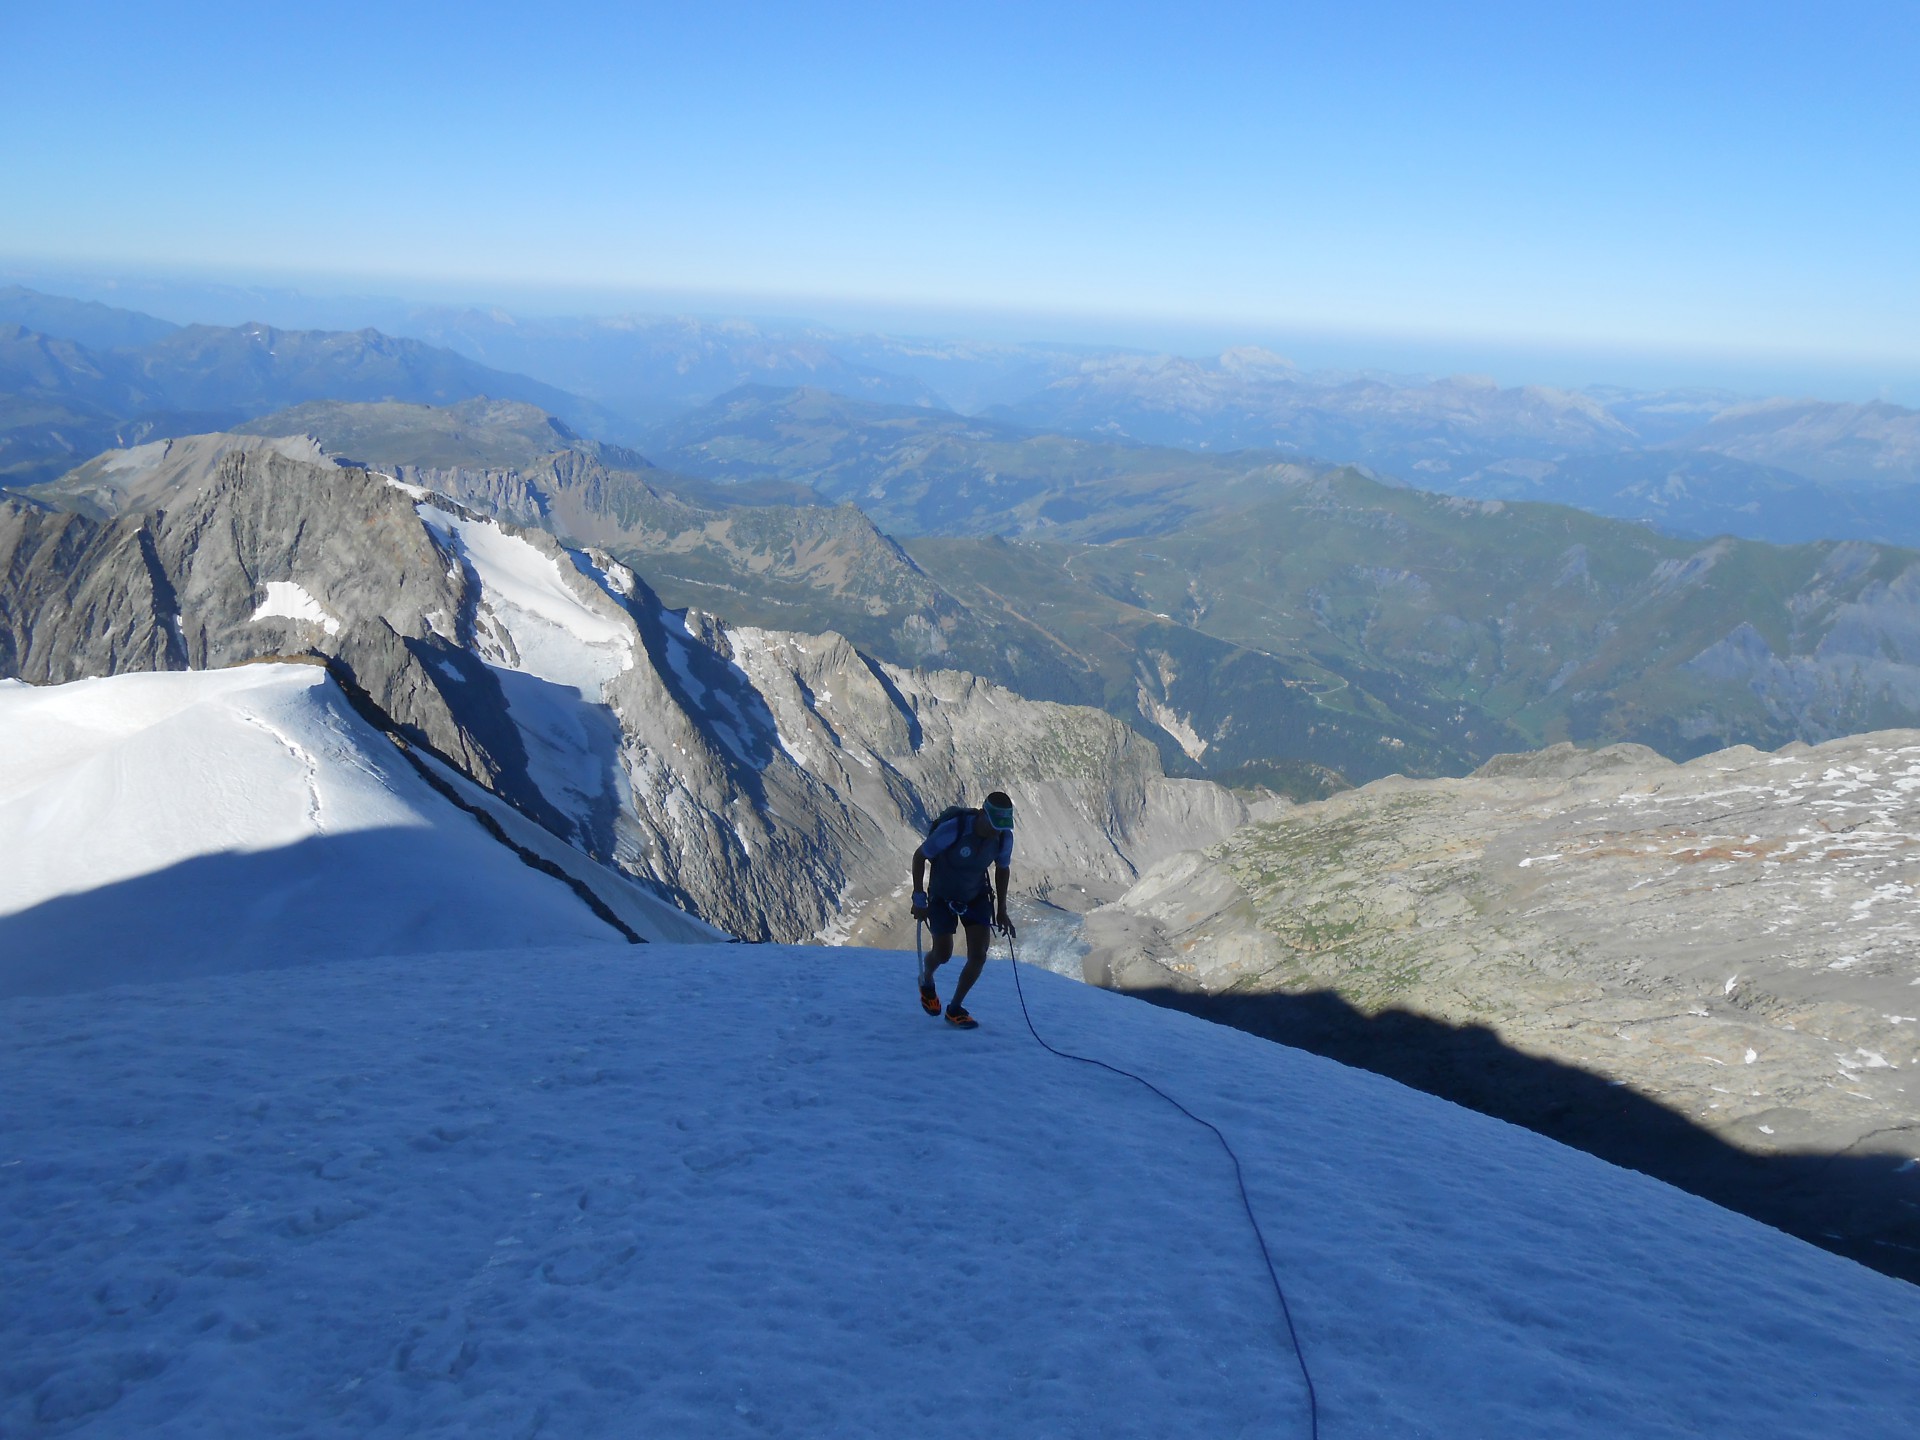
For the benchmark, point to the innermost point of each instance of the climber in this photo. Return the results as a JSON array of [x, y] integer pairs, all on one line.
[[960, 845]]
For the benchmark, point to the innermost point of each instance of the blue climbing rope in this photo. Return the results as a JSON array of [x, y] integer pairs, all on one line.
[[1273, 1273]]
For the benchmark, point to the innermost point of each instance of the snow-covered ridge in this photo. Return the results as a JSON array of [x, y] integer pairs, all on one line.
[[170, 823]]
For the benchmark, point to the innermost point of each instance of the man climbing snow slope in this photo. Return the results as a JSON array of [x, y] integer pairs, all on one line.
[[960, 846]]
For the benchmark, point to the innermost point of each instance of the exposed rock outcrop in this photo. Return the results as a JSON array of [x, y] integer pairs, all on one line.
[[1735, 938]]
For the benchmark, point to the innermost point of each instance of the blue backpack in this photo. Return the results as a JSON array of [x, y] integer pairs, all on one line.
[[960, 871]]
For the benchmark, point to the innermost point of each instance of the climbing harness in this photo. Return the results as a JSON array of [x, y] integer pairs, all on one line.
[[1273, 1274]]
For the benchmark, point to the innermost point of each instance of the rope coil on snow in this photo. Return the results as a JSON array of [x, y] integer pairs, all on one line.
[[1273, 1273]]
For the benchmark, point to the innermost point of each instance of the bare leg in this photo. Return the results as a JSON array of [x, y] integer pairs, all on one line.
[[978, 938], [938, 953]]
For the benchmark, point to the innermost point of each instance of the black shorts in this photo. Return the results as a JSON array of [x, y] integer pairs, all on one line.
[[943, 919]]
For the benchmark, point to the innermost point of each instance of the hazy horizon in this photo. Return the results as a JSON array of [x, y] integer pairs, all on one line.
[[1722, 196], [293, 301]]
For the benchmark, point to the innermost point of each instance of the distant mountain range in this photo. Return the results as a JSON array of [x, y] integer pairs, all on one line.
[[1693, 462], [1252, 610], [1266, 624], [931, 472], [648, 369], [1702, 493], [1856, 446], [86, 322], [1252, 399], [63, 400]]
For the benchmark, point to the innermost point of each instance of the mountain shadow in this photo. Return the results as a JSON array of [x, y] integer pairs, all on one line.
[[1865, 1206], [351, 896]]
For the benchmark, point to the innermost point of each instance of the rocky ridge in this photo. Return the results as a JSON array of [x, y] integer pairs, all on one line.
[[771, 782], [769, 554]]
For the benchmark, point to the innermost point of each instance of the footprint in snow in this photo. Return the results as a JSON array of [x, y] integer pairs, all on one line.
[[341, 1167], [608, 1197], [584, 1264], [93, 1386], [319, 1219], [439, 1351], [709, 1159], [146, 1294]]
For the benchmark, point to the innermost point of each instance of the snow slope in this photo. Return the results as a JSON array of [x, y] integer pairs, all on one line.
[[752, 1191], [160, 824], [530, 605]]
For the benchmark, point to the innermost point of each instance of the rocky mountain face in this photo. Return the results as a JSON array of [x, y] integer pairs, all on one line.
[[767, 554], [1856, 446], [145, 477], [1278, 617], [771, 782], [802, 564], [1732, 939], [480, 433]]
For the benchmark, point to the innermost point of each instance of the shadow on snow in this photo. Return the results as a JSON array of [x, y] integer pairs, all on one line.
[[351, 896]]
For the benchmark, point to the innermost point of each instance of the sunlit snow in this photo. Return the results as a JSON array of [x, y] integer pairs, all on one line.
[[557, 635], [170, 823]]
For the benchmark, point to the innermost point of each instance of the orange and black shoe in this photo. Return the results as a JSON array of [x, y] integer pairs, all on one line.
[[929, 999], [960, 1019]]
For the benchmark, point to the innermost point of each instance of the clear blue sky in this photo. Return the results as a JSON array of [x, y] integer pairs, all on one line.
[[1737, 177]]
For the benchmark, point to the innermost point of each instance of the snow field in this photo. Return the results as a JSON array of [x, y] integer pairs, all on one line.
[[561, 652], [752, 1191], [557, 635], [162, 824]]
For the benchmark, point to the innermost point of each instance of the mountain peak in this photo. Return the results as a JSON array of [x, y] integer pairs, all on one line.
[[1255, 360]]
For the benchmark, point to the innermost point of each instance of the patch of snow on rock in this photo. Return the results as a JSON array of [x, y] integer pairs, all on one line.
[[289, 600]]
